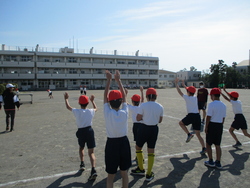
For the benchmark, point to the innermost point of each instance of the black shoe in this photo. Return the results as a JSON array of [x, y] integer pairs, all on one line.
[[238, 144], [203, 151], [7, 128], [93, 175], [138, 171], [150, 177], [189, 137], [82, 167]]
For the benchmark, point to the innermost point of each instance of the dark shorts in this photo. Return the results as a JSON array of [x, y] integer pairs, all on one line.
[[135, 129], [81, 91], [147, 134], [239, 122], [214, 134], [194, 119], [202, 105], [86, 135], [117, 154]]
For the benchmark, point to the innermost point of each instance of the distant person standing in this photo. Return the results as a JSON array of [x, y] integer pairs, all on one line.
[[85, 90], [202, 95], [81, 90], [50, 94], [10, 103]]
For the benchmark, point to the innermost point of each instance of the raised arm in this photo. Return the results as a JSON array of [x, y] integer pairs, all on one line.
[[177, 86], [92, 97], [66, 97], [142, 96], [109, 78], [224, 88], [183, 84], [225, 97], [119, 82]]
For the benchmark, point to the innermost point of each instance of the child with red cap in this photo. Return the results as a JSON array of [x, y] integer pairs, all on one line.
[[193, 116], [150, 114], [117, 149], [216, 114], [85, 133], [133, 109], [239, 119]]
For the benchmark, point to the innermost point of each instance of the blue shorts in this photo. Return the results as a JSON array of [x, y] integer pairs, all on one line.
[[194, 119], [86, 135], [117, 154]]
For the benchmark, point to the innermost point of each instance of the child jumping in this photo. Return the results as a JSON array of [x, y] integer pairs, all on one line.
[[193, 116], [85, 133], [239, 119], [150, 114], [216, 114], [117, 149]]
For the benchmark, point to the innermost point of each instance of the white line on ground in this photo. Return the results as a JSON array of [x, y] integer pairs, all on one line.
[[74, 172]]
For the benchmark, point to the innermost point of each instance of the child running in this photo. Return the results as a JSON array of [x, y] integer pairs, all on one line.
[[117, 150], [239, 119], [85, 133], [193, 116], [133, 109], [150, 114], [216, 114]]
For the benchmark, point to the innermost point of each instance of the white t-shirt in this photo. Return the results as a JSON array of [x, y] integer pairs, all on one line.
[[191, 104], [133, 111], [151, 112], [83, 117], [237, 109], [116, 121], [217, 111]]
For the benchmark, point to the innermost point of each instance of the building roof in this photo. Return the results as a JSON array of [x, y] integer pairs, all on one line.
[[166, 72], [244, 63]]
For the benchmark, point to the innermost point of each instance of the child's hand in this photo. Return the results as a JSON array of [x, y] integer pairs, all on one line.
[[141, 88], [108, 75], [117, 75], [91, 98], [66, 95]]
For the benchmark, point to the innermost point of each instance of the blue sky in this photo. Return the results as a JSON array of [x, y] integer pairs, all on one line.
[[182, 33]]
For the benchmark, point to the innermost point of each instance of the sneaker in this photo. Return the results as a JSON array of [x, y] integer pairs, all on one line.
[[150, 177], [238, 144], [203, 151], [217, 165], [190, 136], [93, 175], [82, 167], [209, 163], [138, 171]]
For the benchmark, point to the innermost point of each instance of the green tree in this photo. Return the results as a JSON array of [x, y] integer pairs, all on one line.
[[218, 73]]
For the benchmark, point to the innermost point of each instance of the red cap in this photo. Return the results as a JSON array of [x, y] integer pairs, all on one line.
[[151, 91], [191, 89], [136, 98], [114, 94], [234, 94], [215, 91], [83, 99]]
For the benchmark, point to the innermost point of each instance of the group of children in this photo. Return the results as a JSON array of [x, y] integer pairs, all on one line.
[[215, 117], [145, 117]]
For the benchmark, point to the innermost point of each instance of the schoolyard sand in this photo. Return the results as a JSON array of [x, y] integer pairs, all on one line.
[[43, 150]]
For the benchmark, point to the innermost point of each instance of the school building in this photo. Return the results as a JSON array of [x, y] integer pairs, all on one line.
[[37, 68]]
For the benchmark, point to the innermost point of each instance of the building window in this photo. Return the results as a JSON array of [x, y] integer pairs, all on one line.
[[165, 76], [25, 58], [72, 71], [72, 60]]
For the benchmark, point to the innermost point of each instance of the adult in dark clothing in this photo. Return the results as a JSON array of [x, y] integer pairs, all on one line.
[[202, 95], [10, 101]]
